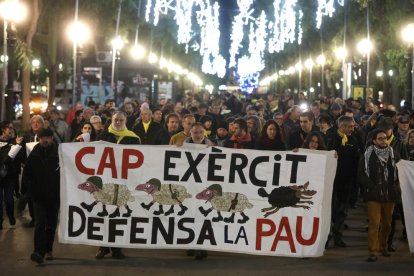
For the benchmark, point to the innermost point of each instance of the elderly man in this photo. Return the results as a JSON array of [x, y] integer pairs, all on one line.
[[116, 133], [147, 129], [347, 149], [197, 135], [96, 122], [41, 174], [377, 173]]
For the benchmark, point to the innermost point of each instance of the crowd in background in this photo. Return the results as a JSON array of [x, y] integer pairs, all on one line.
[[353, 128]]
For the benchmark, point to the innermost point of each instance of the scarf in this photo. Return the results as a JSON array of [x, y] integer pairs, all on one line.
[[121, 133], [344, 138], [238, 141], [383, 155], [389, 141]]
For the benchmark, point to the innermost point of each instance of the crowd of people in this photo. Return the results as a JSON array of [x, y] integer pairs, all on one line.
[[368, 141]]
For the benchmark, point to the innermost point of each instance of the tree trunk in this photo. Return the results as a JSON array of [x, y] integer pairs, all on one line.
[[34, 16], [52, 84]]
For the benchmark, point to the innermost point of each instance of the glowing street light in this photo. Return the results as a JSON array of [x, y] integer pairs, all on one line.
[[365, 47], [408, 37], [13, 11], [341, 53], [152, 58], [320, 60], [79, 33], [137, 51], [36, 63], [309, 65]]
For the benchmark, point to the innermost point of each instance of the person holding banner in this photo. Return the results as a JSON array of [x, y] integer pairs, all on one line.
[[42, 175], [117, 133], [377, 174]]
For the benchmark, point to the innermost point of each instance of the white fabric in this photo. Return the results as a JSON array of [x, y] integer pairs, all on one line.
[[14, 150], [291, 231], [406, 177]]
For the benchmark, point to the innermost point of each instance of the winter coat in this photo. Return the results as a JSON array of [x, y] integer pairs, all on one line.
[[41, 173], [375, 188], [151, 137]]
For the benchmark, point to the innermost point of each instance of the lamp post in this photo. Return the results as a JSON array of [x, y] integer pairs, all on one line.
[[408, 36], [298, 68], [79, 33], [309, 65], [365, 47], [320, 60], [12, 11], [117, 45], [341, 54]]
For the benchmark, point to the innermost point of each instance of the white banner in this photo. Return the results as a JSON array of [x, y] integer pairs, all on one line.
[[406, 177], [244, 201]]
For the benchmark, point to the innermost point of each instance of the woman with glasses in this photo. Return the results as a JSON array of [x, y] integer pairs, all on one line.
[[86, 133]]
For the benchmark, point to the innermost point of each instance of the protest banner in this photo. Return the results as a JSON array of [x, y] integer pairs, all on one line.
[[406, 176], [168, 197]]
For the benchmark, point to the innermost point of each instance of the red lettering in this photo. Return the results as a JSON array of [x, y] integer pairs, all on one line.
[[126, 165], [284, 224], [315, 231], [78, 160], [261, 233], [108, 152]]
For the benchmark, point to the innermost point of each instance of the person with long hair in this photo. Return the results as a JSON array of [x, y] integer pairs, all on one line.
[[270, 137], [84, 129], [314, 141]]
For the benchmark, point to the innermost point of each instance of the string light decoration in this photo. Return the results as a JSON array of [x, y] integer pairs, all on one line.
[[183, 18], [325, 7], [284, 26]]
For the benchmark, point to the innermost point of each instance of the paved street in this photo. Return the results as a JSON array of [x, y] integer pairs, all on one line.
[[16, 245]]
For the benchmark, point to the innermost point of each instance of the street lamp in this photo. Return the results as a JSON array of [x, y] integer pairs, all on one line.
[[79, 33], [309, 65], [320, 60], [365, 47], [12, 11], [408, 36], [341, 54], [117, 45]]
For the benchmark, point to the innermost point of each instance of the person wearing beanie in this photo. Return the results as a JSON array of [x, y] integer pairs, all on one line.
[[222, 133], [42, 175]]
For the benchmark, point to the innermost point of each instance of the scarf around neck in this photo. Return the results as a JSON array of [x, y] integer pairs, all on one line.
[[121, 133], [344, 138], [383, 155]]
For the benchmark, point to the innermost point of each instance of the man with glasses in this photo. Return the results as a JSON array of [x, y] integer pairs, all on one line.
[[377, 174]]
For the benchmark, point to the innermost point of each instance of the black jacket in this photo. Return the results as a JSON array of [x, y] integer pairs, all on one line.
[[375, 188], [41, 173], [151, 137], [109, 137]]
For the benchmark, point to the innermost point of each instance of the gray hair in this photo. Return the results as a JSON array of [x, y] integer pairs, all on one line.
[[95, 117], [39, 118]]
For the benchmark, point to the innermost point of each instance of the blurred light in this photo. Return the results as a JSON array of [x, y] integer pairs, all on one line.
[[312, 90], [337, 86], [364, 46], [209, 88], [152, 58], [379, 73], [43, 88], [390, 73], [309, 63], [341, 53], [321, 59], [60, 66], [137, 51], [408, 33], [117, 43], [282, 72], [291, 70], [223, 87], [402, 103], [78, 32], [304, 107], [13, 11], [298, 66], [2, 59], [36, 63], [59, 107]]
